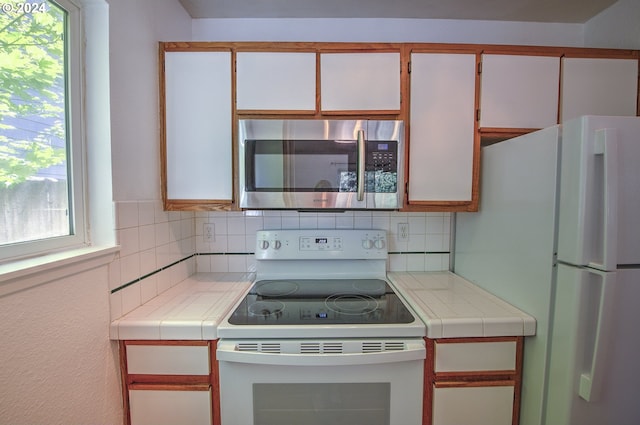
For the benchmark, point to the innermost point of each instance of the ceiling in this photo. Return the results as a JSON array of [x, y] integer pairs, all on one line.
[[568, 11]]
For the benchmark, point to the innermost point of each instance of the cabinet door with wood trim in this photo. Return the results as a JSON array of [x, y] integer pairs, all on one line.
[[478, 404], [155, 405], [599, 86], [271, 82], [442, 139], [352, 82], [473, 381], [197, 128], [519, 91], [169, 382]]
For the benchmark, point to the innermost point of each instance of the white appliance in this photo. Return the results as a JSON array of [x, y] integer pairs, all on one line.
[[321, 337], [558, 235]]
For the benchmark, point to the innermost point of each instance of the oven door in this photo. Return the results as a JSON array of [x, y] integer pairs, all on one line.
[[352, 382]]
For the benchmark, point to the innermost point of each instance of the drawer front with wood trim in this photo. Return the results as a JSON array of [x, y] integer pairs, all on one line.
[[160, 406], [170, 382], [168, 359], [478, 404], [475, 356], [473, 381]]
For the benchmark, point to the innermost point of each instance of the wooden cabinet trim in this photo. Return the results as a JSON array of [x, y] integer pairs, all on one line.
[[214, 383], [165, 342], [434, 380], [482, 136], [474, 384], [134, 379], [169, 387], [146, 382]]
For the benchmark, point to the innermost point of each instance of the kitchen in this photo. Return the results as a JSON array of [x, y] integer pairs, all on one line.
[[63, 326]]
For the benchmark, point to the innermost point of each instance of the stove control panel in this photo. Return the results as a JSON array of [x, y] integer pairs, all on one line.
[[321, 244]]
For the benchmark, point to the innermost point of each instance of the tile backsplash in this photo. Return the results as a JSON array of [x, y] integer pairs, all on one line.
[[160, 249]]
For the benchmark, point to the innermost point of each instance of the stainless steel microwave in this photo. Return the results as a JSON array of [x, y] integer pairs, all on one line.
[[321, 164]]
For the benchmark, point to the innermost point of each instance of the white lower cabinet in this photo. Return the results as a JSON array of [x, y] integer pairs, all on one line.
[[473, 381], [490, 405], [170, 407], [170, 382]]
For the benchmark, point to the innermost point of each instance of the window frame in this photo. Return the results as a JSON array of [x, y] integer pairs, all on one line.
[[76, 170]]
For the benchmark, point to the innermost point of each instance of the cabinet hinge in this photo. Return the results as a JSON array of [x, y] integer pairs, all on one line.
[[409, 67], [478, 114], [479, 67]]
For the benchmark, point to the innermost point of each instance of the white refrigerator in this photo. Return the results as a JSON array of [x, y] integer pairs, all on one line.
[[558, 235]]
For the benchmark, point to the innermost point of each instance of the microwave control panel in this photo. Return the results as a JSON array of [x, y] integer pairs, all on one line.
[[382, 156]]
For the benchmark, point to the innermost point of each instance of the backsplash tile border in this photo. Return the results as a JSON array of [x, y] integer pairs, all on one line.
[[159, 249]]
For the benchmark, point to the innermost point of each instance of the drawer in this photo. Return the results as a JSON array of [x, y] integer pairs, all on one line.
[[475, 356], [169, 407], [489, 405], [168, 359]]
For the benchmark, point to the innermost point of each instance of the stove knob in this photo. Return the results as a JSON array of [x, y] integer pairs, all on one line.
[[277, 244], [380, 243], [367, 243], [264, 244]]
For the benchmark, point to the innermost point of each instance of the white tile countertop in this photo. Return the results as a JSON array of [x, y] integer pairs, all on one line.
[[191, 310], [450, 306], [453, 307]]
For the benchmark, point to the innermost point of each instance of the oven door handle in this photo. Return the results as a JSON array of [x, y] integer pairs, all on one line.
[[227, 352]]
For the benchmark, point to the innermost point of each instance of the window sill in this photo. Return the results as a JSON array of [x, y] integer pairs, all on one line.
[[23, 274]]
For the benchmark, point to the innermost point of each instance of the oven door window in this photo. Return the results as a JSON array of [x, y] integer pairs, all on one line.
[[301, 165], [322, 404]]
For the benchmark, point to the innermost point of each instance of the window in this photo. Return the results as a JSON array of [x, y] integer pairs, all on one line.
[[41, 170]]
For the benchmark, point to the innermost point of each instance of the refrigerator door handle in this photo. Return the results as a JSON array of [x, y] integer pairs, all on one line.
[[606, 145], [591, 380]]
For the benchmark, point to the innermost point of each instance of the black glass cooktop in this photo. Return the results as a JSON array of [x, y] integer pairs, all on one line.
[[321, 301]]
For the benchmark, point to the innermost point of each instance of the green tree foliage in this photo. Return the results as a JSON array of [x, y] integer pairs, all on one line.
[[31, 86]]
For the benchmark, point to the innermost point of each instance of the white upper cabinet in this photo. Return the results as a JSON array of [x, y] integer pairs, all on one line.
[[276, 81], [198, 125], [442, 117], [519, 91], [360, 81], [599, 87]]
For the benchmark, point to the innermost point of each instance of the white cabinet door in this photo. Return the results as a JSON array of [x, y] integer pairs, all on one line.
[[519, 91], [360, 81], [599, 87], [198, 125], [441, 141], [169, 407], [276, 81], [491, 405]]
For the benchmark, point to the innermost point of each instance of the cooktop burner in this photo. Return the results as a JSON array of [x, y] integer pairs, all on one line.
[[321, 301]]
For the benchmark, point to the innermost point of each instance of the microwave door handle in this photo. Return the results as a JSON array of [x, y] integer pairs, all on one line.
[[360, 164]]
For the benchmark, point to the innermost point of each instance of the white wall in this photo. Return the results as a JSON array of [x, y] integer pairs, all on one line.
[[389, 30], [58, 365], [136, 28], [616, 27]]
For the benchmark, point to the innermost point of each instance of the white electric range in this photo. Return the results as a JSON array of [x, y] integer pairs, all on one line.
[[321, 336]]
